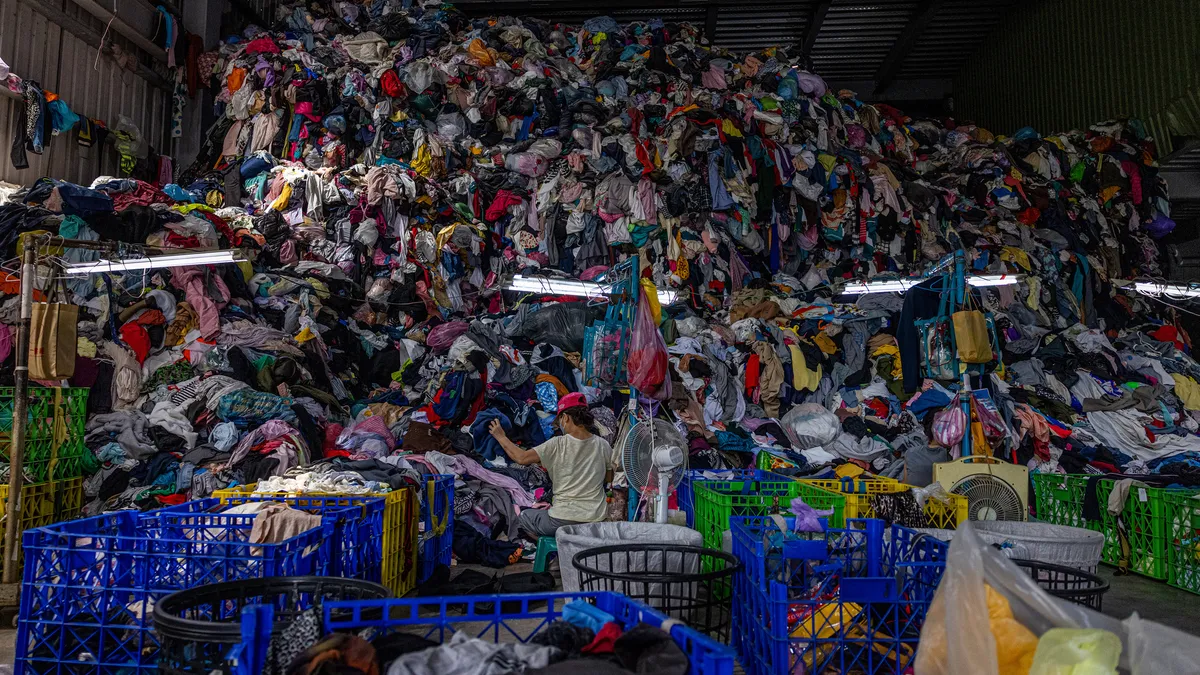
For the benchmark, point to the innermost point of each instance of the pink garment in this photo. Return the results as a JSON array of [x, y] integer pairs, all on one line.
[[5, 342], [230, 147], [191, 280], [380, 185], [267, 432], [713, 78], [469, 467]]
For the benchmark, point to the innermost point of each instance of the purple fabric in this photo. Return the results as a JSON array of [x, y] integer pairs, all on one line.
[[441, 337]]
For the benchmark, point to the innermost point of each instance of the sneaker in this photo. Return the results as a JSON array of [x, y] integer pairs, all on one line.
[[516, 556]]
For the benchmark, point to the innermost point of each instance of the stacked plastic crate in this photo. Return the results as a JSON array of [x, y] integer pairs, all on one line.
[[89, 585], [53, 460]]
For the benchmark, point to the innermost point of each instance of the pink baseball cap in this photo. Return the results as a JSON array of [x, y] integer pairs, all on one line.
[[571, 401]]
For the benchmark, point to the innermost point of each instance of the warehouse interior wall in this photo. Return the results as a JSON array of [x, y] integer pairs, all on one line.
[[1067, 64], [56, 44]]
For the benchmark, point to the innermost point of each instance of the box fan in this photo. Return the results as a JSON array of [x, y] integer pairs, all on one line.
[[996, 490]]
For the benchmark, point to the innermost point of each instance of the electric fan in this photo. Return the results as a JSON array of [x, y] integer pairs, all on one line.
[[995, 489], [654, 457]]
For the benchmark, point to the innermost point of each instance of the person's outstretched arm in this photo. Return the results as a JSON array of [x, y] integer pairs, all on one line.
[[515, 452]]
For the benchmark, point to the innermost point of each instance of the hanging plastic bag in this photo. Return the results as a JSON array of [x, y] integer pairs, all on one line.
[[949, 424], [955, 641], [937, 357], [648, 360]]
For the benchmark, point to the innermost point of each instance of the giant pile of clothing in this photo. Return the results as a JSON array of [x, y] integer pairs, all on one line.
[[388, 170]]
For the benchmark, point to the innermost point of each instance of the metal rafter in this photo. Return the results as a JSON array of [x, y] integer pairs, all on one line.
[[815, 21], [917, 24]]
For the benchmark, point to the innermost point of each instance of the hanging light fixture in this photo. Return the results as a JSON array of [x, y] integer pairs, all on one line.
[[583, 289], [902, 285], [199, 259]]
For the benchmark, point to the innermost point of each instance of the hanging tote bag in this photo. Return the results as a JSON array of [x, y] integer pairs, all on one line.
[[971, 334], [52, 336]]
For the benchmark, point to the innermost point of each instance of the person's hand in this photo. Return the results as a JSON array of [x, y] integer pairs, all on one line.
[[496, 429]]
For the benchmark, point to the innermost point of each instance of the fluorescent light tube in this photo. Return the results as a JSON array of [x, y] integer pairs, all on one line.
[[1169, 290], [583, 289], [994, 280], [902, 285], [155, 262]]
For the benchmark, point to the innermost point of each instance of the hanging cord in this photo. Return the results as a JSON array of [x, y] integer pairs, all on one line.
[[96, 63]]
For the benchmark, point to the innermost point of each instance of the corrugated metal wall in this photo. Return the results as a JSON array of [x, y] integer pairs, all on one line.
[[38, 49], [1065, 64]]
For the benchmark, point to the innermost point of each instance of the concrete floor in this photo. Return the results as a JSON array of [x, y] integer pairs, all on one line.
[[1153, 600]]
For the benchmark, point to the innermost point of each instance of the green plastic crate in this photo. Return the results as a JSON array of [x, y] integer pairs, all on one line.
[[718, 501], [1058, 499], [1183, 541], [1145, 517], [54, 443], [41, 416], [71, 453]]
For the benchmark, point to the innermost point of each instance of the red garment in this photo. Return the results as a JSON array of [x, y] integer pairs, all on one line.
[[262, 44], [391, 85], [1168, 333], [172, 500], [752, 368], [500, 204], [135, 334], [604, 640]]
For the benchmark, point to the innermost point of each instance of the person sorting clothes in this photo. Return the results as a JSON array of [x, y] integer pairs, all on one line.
[[577, 462]]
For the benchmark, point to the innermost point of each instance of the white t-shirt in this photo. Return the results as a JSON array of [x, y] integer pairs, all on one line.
[[576, 469]]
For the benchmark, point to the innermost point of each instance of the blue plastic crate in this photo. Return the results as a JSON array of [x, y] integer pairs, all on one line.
[[847, 600], [88, 584], [437, 525], [685, 495], [498, 618], [356, 549]]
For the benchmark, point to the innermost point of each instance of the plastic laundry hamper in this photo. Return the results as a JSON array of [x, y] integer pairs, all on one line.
[[1041, 542], [573, 539]]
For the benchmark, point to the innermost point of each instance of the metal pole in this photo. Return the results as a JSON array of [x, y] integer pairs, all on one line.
[[16, 453]]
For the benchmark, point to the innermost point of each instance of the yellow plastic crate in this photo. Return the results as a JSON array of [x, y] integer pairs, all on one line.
[[400, 535], [44, 504], [858, 493]]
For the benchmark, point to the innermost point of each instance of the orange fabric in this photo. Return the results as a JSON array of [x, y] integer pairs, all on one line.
[[236, 79]]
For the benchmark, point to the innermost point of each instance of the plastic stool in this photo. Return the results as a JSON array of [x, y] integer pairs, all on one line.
[[545, 546]]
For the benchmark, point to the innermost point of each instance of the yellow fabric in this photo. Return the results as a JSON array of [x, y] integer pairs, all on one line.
[[894, 352], [803, 379], [827, 161], [728, 129], [422, 161], [849, 470], [1188, 391], [1035, 289], [825, 343], [652, 297], [1015, 644], [1015, 255], [281, 202]]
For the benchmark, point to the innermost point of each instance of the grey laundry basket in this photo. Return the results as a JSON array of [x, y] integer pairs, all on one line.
[[575, 538], [1040, 542]]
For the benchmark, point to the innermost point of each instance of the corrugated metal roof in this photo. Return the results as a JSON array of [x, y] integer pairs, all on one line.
[[853, 41]]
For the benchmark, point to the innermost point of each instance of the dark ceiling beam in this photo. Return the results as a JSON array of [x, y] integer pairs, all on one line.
[[916, 25], [710, 22], [815, 21]]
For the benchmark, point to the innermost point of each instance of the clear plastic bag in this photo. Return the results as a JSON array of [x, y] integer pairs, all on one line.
[[957, 638], [949, 424], [810, 425], [648, 360]]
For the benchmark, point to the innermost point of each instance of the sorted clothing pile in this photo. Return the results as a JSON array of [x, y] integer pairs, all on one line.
[[389, 169]]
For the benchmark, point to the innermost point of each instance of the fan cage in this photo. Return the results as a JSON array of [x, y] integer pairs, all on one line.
[[990, 498]]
